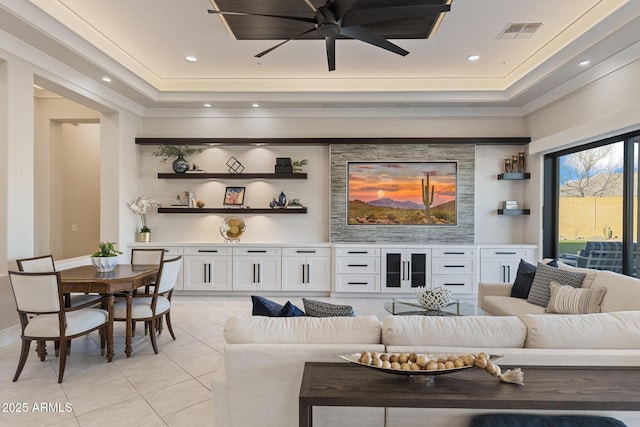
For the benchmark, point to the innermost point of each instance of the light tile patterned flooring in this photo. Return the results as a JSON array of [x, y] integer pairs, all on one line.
[[171, 388]]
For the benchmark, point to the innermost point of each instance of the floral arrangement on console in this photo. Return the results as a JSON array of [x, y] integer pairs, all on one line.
[[140, 207]]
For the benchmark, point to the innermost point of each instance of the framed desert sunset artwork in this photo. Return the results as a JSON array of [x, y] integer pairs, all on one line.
[[402, 193]]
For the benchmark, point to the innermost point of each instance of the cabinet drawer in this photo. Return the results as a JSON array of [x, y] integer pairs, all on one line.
[[357, 283], [453, 266], [506, 253], [257, 251], [357, 252], [172, 251], [207, 250], [455, 283], [453, 252], [306, 251], [358, 265]]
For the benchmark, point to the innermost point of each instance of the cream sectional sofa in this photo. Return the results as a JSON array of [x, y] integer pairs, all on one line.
[[264, 359], [622, 294]]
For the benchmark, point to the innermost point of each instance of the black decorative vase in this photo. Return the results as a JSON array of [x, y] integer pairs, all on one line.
[[180, 165], [282, 199]]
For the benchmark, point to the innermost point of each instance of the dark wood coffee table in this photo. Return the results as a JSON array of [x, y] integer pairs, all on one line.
[[546, 388]]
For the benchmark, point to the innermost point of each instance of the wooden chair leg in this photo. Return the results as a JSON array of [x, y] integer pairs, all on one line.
[[63, 358], [159, 325], [41, 349], [103, 338], [24, 352], [133, 328], [152, 334], [168, 316]]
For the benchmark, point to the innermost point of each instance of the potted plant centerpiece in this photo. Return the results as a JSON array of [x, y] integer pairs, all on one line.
[[106, 258], [180, 165], [140, 206]]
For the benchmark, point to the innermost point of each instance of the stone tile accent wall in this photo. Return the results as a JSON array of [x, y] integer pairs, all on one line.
[[462, 233]]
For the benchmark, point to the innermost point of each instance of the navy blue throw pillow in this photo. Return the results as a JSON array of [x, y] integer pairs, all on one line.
[[524, 278], [265, 307]]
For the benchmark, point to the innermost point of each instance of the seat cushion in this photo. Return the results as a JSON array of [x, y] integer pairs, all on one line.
[[302, 330], [47, 325], [467, 331], [508, 306], [140, 308]]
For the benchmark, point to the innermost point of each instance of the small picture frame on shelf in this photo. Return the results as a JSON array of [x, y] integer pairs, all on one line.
[[234, 196]]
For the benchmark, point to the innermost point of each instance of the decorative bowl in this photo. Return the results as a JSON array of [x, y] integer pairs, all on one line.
[[104, 263], [433, 298], [232, 228]]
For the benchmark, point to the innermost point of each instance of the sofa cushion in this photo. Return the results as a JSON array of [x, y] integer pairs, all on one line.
[[302, 330], [540, 289], [324, 309], [498, 305], [620, 330], [623, 292], [465, 331], [569, 300], [524, 278], [535, 420]]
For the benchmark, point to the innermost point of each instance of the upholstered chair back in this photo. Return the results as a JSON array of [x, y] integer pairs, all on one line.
[[36, 292], [41, 264], [147, 256], [169, 271]]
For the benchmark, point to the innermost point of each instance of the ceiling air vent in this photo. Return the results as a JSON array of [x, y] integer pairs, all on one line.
[[520, 30]]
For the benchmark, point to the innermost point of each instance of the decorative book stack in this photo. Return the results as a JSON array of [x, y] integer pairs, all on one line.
[[510, 204]]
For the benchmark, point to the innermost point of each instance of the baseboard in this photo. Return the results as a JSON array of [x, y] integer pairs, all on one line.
[[9, 336]]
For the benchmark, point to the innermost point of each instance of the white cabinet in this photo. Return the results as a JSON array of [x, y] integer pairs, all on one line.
[[455, 268], [208, 268], [404, 269], [500, 264], [306, 269], [357, 269], [256, 268]]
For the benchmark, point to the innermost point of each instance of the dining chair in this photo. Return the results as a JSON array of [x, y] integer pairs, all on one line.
[[151, 307], [45, 317], [45, 264], [146, 256]]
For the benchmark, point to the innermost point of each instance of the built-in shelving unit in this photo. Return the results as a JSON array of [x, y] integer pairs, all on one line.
[[514, 176], [207, 175], [514, 212], [236, 211]]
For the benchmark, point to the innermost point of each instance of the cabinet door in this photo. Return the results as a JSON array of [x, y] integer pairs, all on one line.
[[404, 270], [306, 274], [499, 271], [261, 273], [207, 273]]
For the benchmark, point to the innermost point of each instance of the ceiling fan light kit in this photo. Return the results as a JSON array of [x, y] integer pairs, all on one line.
[[339, 19]]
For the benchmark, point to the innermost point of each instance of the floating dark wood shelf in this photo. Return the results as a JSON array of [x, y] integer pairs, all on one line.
[[514, 211], [232, 211], [206, 175], [515, 175]]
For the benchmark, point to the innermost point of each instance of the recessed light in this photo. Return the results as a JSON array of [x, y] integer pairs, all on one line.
[[106, 79], [207, 105], [191, 59], [585, 62], [255, 105], [473, 57]]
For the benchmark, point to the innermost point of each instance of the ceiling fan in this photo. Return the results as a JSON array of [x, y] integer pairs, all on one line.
[[337, 18]]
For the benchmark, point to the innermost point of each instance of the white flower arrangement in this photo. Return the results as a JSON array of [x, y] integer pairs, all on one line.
[[139, 207]]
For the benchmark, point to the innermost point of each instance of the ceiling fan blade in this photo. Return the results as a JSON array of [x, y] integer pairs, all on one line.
[[264, 52], [384, 14], [331, 52], [290, 18], [340, 7], [359, 33]]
